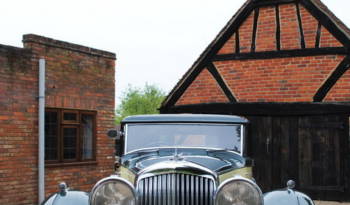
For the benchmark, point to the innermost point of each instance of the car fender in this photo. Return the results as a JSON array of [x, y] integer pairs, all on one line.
[[67, 197], [287, 196]]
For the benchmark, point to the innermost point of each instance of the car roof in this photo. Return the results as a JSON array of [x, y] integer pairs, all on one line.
[[203, 118]]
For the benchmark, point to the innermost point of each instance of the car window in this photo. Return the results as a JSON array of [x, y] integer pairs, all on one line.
[[152, 135]]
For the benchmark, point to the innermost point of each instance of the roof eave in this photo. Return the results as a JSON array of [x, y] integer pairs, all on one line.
[[205, 53]]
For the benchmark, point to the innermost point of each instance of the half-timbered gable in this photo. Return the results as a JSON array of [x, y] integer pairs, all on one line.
[[278, 45], [284, 64]]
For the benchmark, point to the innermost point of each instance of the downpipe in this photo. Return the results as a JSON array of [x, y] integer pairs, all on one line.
[[41, 126]]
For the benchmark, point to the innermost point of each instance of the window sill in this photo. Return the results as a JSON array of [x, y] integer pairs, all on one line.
[[69, 164]]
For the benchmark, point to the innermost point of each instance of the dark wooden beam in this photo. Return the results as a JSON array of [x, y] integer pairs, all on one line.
[[209, 53], [261, 109], [237, 49], [255, 28], [301, 30], [326, 22], [260, 3], [212, 69], [330, 82], [282, 54], [179, 92], [278, 28], [318, 35]]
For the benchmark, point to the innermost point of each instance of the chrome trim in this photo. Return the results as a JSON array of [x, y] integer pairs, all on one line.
[[239, 178], [125, 138], [175, 166], [205, 148], [211, 148], [242, 140], [148, 175], [170, 191], [109, 179]]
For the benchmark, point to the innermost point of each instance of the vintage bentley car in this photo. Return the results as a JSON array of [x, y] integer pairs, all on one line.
[[180, 160]]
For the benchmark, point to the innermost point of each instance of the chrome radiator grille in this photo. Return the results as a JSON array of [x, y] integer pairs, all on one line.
[[176, 189]]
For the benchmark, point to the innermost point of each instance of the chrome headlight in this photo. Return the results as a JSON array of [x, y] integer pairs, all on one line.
[[238, 191], [113, 190]]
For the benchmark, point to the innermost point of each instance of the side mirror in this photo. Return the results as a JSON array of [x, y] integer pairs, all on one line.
[[115, 134]]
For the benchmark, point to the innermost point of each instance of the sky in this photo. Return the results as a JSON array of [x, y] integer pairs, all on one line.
[[156, 41]]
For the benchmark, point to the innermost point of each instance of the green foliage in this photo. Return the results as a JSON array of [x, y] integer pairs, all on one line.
[[137, 101]]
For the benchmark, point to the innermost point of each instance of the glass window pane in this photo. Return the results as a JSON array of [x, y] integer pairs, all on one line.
[[87, 136], [70, 143], [51, 135], [205, 135], [68, 116]]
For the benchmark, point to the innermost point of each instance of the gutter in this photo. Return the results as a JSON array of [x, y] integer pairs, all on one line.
[[41, 126]]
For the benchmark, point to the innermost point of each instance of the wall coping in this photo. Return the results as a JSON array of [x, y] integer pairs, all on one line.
[[11, 50], [33, 38]]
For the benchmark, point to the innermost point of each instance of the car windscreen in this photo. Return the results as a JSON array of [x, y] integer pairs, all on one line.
[[187, 135]]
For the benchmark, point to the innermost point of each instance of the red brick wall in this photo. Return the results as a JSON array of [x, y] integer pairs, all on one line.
[[310, 25], [77, 77], [294, 79], [290, 34], [204, 89], [246, 34], [230, 46], [266, 30], [289, 29], [341, 90], [18, 127], [328, 40]]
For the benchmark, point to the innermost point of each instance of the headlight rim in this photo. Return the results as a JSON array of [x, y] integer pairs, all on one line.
[[109, 179], [239, 178]]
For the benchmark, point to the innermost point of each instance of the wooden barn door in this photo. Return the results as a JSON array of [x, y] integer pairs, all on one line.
[[258, 148], [272, 144], [309, 150], [322, 146]]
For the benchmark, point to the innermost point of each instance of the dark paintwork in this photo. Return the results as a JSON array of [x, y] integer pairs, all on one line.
[[219, 161], [70, 198], [286, 197], [167, 118]]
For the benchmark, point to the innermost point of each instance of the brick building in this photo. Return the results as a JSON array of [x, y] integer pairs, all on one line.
[[283, 64], [79, 109]]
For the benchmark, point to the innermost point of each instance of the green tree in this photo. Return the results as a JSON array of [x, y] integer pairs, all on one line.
[[136, 101]]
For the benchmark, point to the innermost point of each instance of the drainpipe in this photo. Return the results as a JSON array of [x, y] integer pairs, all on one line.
[[41, 162]]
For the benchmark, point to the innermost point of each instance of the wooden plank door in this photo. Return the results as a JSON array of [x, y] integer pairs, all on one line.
[[259, 148], [322, 146], [284, 149]]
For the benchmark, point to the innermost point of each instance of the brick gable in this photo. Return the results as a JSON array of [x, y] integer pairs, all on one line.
[[328, 40], [341, 90], [310, 26], [204, 89], [277, 80], [272, 52], [266, 30], [246, 33]]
